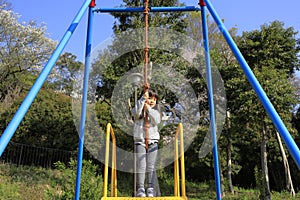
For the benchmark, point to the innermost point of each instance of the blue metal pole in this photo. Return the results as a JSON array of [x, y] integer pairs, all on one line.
[[19, 115], [84, 101], [289, 141], [152, 9], [211, 102]]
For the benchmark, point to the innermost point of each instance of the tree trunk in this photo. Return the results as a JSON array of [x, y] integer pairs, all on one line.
[[222, 185], [266, 193], [288, 178], [228, 150]]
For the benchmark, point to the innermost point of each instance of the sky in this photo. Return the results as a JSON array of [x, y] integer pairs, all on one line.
[[58, 14]]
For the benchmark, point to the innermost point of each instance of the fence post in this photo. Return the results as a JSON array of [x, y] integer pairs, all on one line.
[[20, 157]]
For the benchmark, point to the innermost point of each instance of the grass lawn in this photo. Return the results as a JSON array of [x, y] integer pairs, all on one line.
[[24, 183]]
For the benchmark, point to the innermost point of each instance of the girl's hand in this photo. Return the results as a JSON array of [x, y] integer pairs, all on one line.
[[146, 106], [146, 95], [146, 86]]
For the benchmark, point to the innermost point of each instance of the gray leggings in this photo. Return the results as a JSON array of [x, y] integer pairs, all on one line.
[[146, 163]]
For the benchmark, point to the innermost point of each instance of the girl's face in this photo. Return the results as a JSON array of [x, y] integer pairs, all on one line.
[[151, 101]]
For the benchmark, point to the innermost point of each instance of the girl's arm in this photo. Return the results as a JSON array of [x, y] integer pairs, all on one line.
[[138, 108]]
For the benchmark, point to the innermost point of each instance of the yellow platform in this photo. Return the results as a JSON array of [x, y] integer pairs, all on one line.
[[144, 198]]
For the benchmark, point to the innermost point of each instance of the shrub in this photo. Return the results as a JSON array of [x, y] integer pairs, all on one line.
[[91, 184]]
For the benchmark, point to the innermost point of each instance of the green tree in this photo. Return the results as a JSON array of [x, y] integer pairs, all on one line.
[[223, 59], [274, 46], [48, 122], [272, 54], [65, 73], [24, 48], [135, 21]]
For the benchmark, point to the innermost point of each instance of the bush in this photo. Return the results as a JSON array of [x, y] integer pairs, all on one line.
[[91, 184]]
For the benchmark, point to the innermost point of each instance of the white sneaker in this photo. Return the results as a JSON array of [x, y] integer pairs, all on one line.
[[141, 192], [150, 192]]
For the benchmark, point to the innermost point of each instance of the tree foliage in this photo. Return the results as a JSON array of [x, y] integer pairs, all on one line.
[[272, 54], [24, 48], [273, 46], [65, 74], [48, 122], [127, 22]]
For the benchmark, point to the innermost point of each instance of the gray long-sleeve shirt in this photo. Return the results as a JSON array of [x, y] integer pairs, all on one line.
[[138, 129]]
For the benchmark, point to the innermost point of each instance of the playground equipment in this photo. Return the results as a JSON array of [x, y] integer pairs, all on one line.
[[179, 173], [204, 4]]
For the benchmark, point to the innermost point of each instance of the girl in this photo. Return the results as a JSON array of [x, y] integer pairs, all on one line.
[[146, 145]]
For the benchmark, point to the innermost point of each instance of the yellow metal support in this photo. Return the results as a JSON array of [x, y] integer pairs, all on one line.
[[176, 165], [179, 132], [177, 157], [183, 191], [113, 192]]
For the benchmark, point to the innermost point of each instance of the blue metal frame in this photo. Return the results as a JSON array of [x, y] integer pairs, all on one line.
[[84, 100], [152, 9], [211, 102]]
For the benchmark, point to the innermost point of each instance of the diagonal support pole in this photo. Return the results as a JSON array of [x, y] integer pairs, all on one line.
[[88, 50]]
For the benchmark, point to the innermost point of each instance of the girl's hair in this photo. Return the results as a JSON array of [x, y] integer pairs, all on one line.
[[152, 93]]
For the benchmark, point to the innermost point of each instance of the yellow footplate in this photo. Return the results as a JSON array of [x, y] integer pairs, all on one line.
[[144, 198]]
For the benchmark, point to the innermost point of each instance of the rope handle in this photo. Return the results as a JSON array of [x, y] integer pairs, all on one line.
[[146, 86]]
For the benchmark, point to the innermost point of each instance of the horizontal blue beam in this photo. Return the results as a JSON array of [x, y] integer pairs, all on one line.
[[151, 9]]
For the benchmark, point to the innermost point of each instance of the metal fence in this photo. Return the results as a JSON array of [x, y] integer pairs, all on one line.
[[22, 154]]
